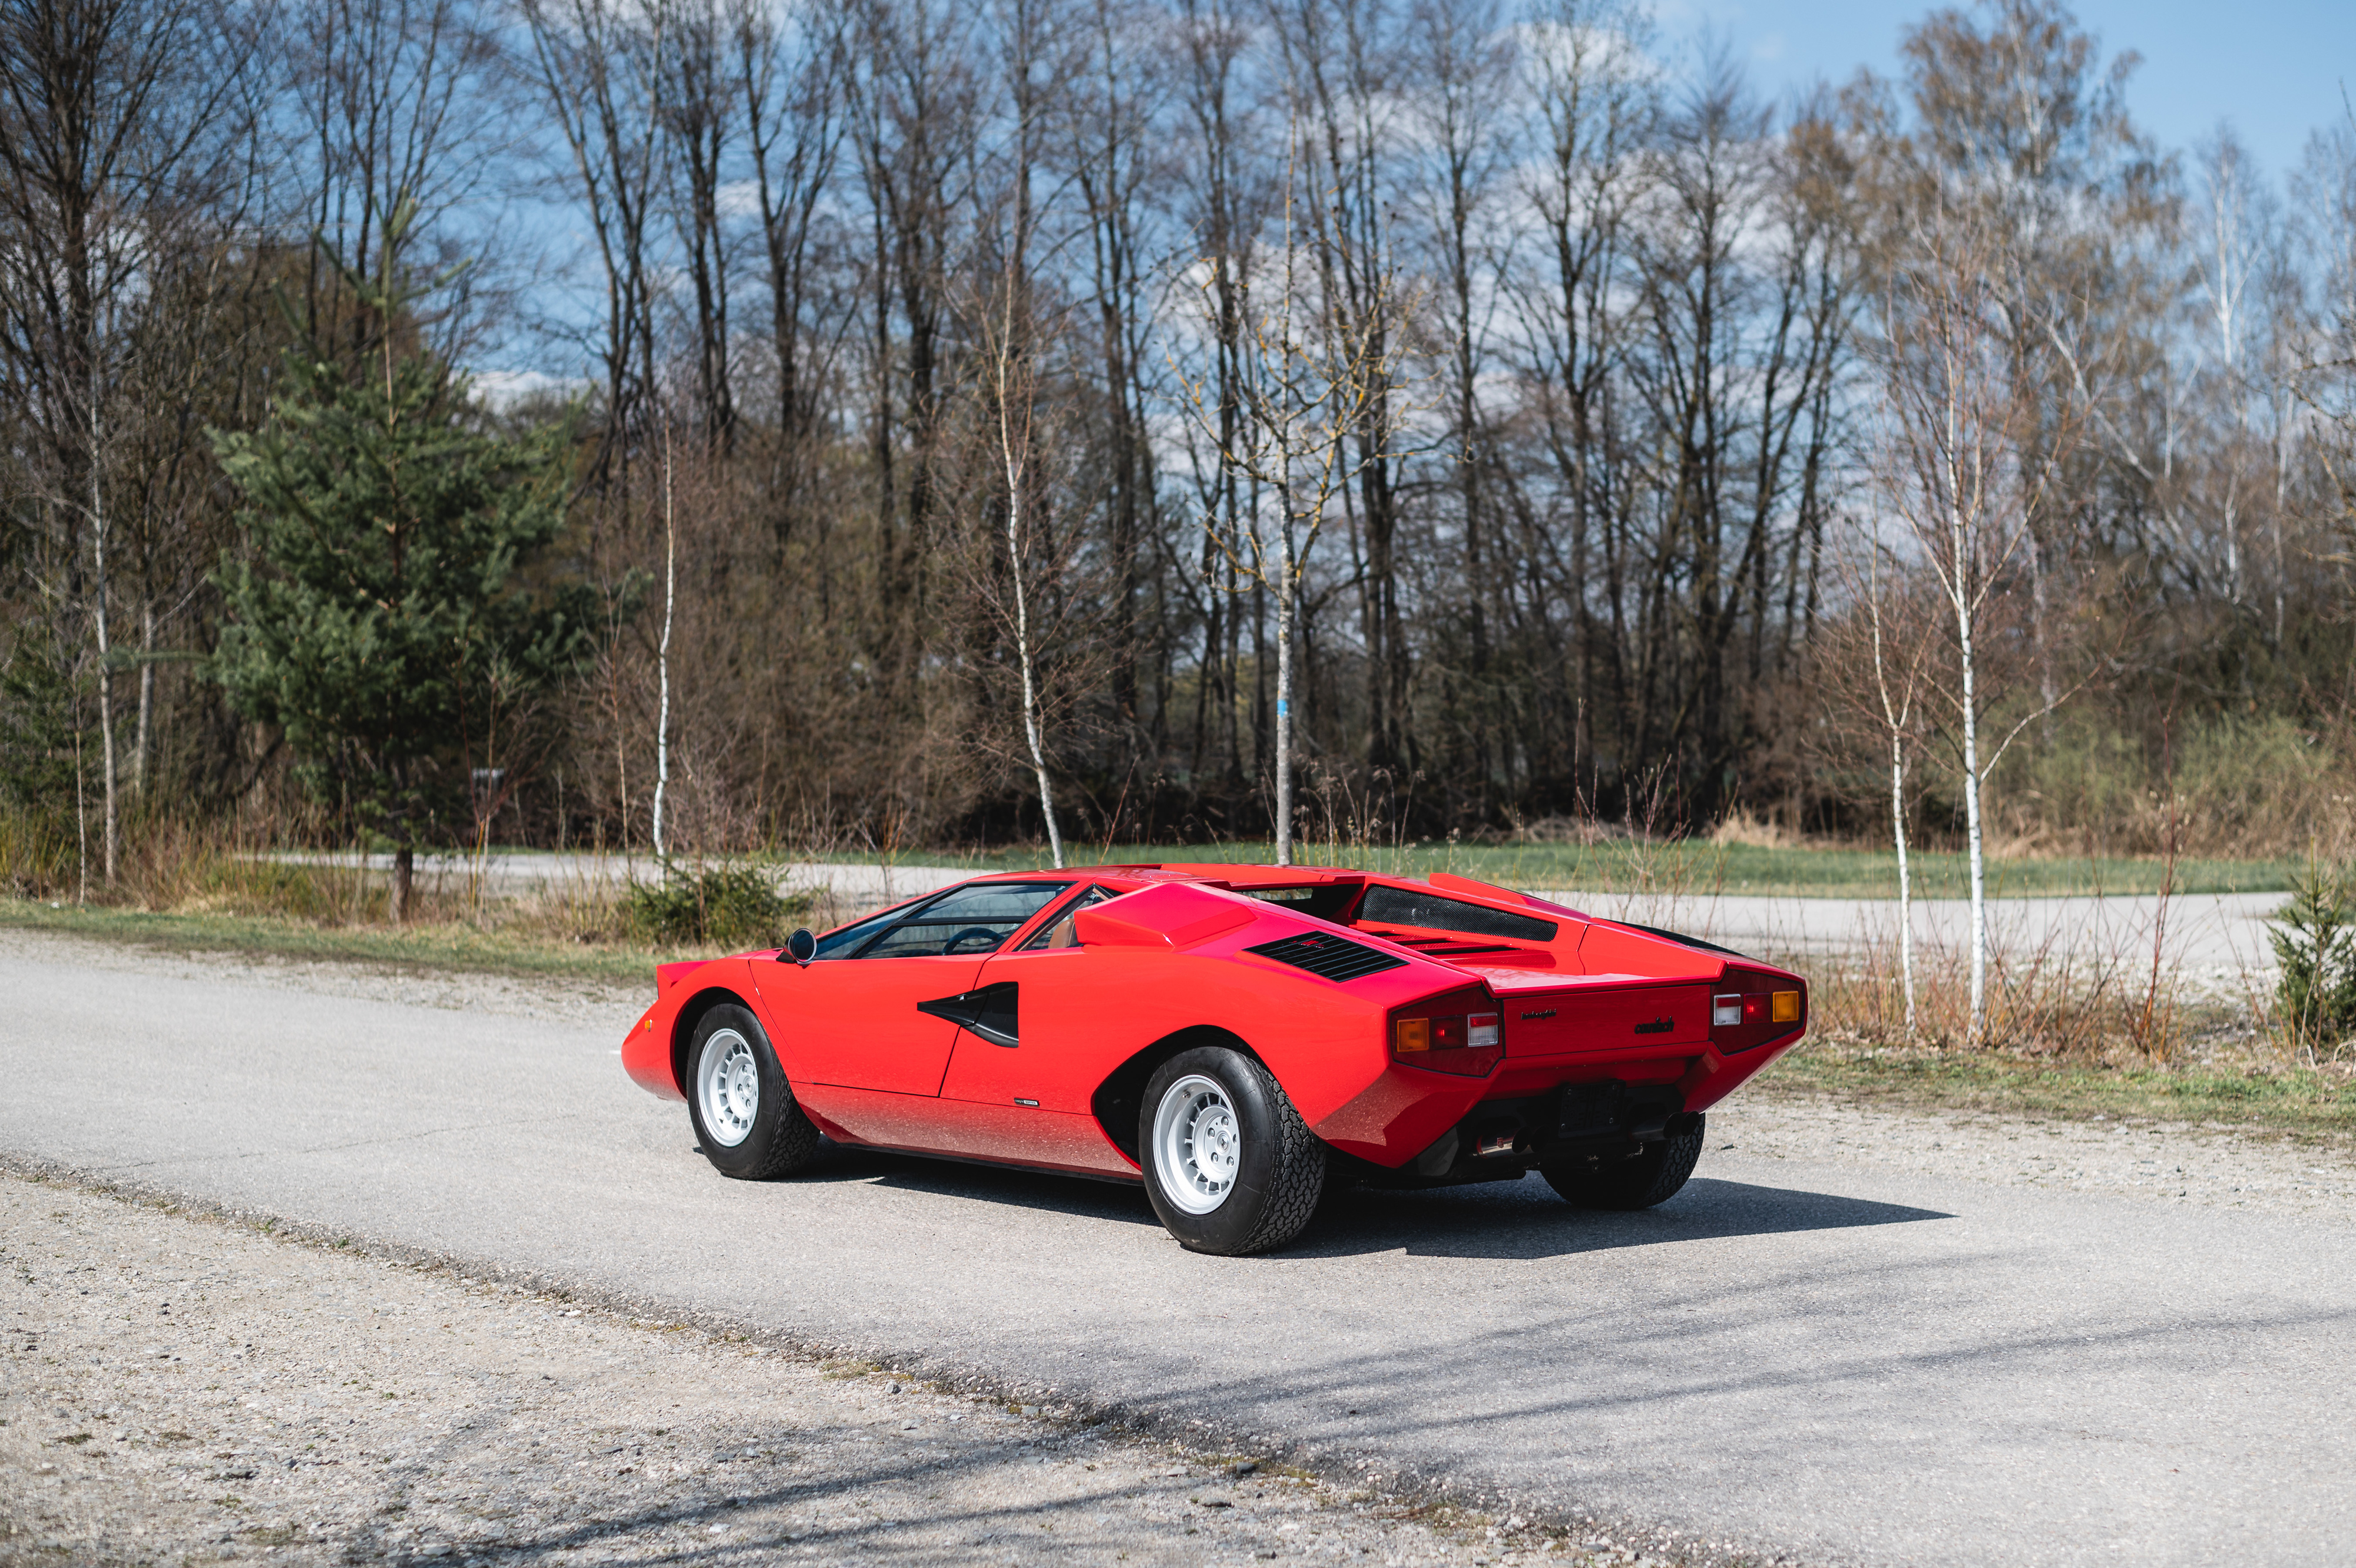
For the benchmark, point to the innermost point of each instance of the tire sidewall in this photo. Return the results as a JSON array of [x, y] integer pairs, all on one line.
[[1230, 1226], [777, 1100]]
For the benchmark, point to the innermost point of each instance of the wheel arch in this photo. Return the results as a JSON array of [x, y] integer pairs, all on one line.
[[1119, 1099], [690, 1013]]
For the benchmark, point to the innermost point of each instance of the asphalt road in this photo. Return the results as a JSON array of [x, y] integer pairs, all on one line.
[[1841, 1363]]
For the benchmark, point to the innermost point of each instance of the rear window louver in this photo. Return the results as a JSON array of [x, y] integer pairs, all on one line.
[[1335, 957]]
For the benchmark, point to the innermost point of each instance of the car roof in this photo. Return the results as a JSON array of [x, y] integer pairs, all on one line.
[[1240, 873]]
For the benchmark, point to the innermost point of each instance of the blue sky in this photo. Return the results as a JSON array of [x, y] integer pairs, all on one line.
[[2273, 68]]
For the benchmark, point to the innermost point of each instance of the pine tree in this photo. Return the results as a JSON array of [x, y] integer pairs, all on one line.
[[2315, 946], [380, 613]]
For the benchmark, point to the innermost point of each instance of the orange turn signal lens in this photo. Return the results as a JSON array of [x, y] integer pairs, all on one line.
[[1414, 1035], [1785, 1008]]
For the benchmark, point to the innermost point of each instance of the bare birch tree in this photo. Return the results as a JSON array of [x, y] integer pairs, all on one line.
[[1969, 461], [1014, 393], [107, 111], [1883, 683], [1308, 383]]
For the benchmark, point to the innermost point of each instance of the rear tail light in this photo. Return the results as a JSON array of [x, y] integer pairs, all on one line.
[[1450, 1033], [1755, 1014]]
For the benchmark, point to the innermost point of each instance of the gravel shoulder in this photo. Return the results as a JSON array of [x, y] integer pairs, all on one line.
[[2170, 1163], [180, 1389]]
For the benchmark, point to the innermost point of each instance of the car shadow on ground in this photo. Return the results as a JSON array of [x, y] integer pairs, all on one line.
[[1525, 1220], [1492, 1219], [1047, 1192]]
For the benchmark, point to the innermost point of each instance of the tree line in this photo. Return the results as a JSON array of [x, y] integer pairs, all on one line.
[[1159, 419]]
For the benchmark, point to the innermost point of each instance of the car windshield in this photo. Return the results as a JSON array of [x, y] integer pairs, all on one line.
[[973, 920], [851, 939]]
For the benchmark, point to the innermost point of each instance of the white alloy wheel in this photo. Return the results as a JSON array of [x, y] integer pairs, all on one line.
[[728, 1087], [1198, 1144]]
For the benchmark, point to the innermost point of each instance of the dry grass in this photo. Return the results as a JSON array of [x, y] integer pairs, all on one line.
[[1755, 833], [219, 886], [2090, 1002]]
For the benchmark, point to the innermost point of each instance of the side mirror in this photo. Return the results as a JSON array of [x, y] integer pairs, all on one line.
[[801, 947]]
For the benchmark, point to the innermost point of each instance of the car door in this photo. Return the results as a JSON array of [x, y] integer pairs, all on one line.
[[1018, 1085], [854, 1015]]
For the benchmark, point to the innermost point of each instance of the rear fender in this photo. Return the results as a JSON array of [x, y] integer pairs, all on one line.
[[1120, 1098]]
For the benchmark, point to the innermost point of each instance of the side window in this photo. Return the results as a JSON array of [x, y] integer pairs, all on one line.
[[1058, 933], [968, 920], [846, 942]]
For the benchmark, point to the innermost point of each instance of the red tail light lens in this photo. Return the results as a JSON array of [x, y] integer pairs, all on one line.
[[1767, 1008], [1457, 1032]]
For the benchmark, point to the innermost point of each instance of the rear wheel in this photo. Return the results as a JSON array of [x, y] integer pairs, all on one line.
[[745, 1118], [1230, 1166], [1652, 1176]]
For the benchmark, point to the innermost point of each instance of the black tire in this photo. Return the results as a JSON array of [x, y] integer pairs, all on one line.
[[1654, 1175], [1278, 1166], [771, 1136]]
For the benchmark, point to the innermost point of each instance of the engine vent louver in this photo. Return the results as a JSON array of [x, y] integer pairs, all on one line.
[[1332, 957]]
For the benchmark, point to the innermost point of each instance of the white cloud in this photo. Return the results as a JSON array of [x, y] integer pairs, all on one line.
[[502, 390]]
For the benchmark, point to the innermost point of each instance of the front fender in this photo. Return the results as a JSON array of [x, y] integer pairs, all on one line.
[[651, 1052]]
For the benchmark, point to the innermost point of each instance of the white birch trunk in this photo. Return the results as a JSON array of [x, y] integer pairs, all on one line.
[[1977, 1027], [146, 734], [1284, 589], [1032, 728], [662, 651], [112, 810], [1905, 878], [1894, 717], [82, 817]]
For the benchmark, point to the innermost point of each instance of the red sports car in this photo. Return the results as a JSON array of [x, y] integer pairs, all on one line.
[[1233, 1036]]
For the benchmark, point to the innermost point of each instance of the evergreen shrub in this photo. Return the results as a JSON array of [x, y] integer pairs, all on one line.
[[2315, 942], [722, 905]]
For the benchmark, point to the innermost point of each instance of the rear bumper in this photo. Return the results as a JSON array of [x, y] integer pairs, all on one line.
[[1406, 1111]]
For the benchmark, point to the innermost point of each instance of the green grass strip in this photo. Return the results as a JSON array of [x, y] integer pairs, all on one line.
[[414, 948]]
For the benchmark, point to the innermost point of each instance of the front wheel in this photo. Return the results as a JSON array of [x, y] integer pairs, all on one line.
[[1653, 1176], [745, 1118], [1230, 1166]]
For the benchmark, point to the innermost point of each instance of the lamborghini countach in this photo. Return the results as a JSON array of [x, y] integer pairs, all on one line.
[[1232, 1037]]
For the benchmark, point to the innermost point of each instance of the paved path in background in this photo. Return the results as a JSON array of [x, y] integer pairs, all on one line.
[[2214, 937], [1844, 1362]]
